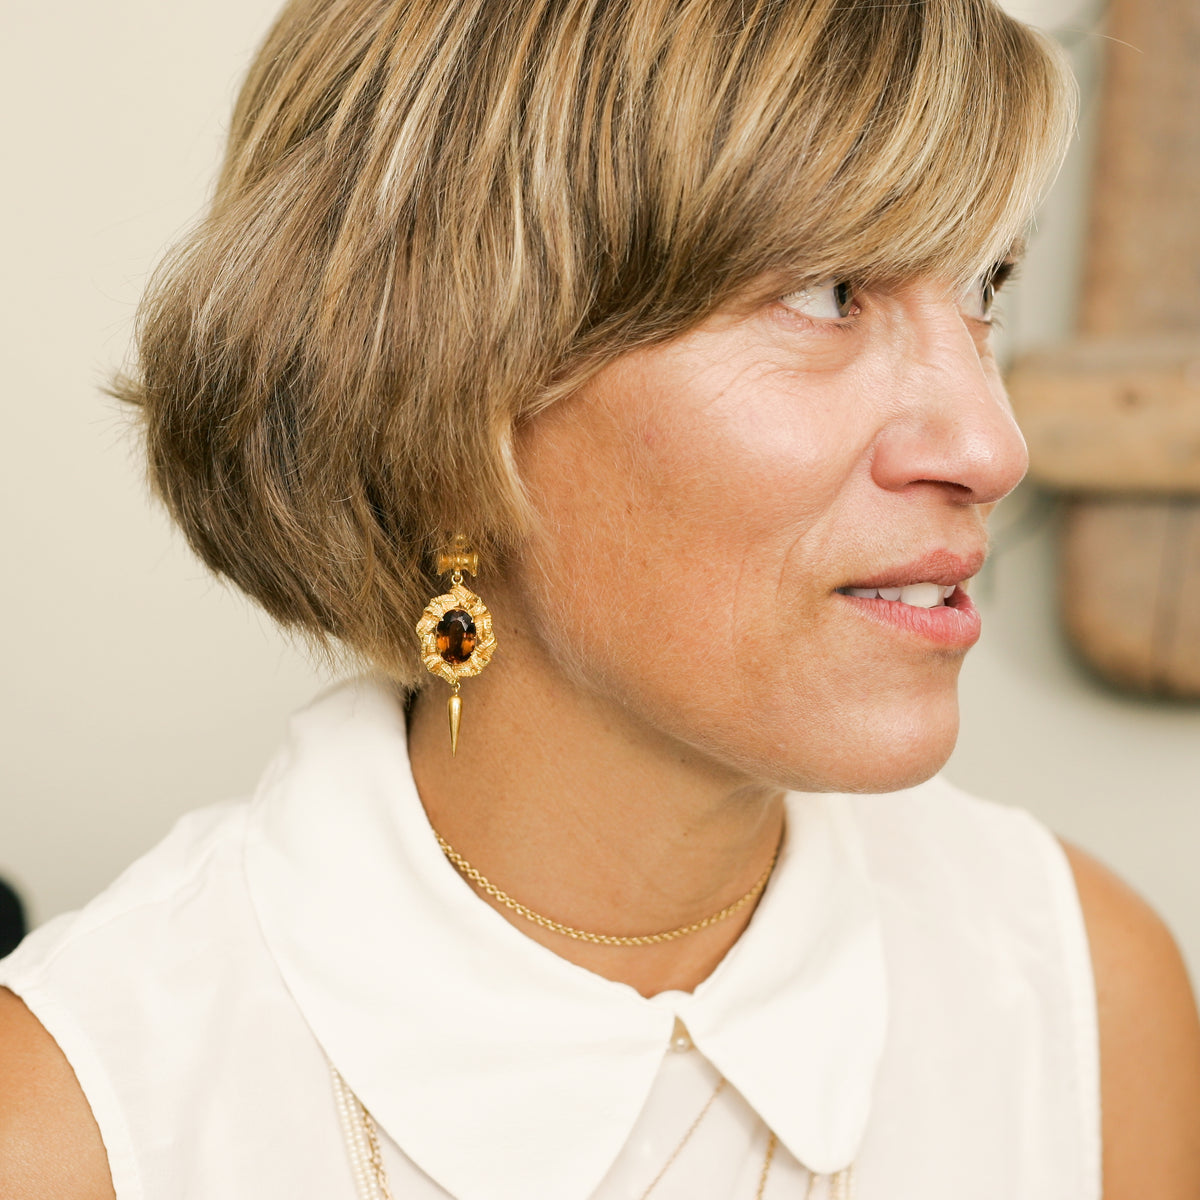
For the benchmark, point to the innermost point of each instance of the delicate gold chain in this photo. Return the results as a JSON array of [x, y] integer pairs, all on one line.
[[376, 1154], [600, 939], [687, 1137], [772, 1142]]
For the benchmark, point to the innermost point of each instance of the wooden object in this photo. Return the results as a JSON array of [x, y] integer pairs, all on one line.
[[1115, 417], [1140, 621]]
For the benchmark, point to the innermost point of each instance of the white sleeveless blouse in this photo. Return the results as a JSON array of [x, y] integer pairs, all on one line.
[[912, 998]]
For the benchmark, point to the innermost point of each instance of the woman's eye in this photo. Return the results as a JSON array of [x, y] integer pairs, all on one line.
[[977, 300], [828, 301]]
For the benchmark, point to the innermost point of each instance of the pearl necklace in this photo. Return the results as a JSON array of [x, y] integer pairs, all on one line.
[[370, 1175], [362, 1142]]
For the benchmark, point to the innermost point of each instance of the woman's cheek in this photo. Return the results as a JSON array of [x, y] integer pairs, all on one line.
[[786, 442]]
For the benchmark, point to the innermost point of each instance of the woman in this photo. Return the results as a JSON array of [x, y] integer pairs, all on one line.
[[670, 319]]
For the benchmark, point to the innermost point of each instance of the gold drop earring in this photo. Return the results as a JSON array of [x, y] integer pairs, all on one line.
[[456, 629]]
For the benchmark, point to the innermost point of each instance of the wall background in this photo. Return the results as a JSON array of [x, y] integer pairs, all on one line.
[[135, 687]]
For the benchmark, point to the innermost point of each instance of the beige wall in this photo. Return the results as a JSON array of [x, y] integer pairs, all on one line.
[[135, 687]]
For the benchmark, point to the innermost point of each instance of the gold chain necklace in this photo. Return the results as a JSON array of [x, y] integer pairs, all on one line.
[[485, 885], [370, 1175]]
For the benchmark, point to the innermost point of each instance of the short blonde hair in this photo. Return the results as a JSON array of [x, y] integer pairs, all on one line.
[[435, 217]]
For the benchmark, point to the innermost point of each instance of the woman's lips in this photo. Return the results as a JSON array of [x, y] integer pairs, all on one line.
[[938, 566], [954, 622]]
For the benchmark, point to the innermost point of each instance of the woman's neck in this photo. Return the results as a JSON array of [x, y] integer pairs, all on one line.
[[595, 820]]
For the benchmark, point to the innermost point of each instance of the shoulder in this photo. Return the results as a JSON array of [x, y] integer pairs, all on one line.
[[1149, 1041], [50, 1144], [89, 1000]]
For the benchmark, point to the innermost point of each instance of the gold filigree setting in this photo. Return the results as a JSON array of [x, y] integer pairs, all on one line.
[[459, 597]]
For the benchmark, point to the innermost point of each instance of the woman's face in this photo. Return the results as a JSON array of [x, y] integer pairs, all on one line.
[[708, 503]]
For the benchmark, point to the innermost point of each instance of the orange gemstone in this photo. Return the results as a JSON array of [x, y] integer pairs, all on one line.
[[456, 636]]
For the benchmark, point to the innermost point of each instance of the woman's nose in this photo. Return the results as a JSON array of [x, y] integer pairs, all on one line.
[[951, 426]]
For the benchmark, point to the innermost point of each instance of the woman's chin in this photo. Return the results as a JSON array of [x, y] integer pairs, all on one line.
[[881, 752], [894, 776]]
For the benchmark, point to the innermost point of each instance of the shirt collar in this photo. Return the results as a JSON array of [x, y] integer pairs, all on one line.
[[500, 1069]]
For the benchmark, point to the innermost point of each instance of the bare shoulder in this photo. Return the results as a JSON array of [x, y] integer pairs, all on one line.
[[49, 1142], [1149, 1042]]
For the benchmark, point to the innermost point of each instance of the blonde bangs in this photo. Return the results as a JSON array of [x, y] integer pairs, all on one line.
[[857, 141], [947, 181]]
